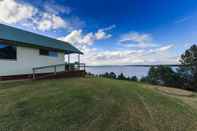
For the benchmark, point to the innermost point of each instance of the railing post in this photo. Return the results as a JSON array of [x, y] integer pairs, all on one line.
[[79, 61], [34, 77], [68, 62], [78, 58], [78, 66], [55, 71]]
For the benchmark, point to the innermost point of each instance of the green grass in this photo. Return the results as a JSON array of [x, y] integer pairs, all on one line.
[[91, 104]]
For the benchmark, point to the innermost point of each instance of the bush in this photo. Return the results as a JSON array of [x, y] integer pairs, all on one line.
[[144, 79], [134, 78]]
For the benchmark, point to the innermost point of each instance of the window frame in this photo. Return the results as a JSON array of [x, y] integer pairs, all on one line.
[[48, 53], [15, 47]]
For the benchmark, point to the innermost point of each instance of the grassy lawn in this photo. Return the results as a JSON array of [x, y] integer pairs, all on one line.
[[91, 104]]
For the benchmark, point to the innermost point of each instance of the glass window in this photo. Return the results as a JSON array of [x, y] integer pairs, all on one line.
[[44, 52], [7, 52], [53, 53], [48, 53]]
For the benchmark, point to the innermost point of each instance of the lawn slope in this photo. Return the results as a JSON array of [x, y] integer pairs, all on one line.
[[91, 104]]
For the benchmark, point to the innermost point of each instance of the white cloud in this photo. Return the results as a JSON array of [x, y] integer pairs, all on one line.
[[109, 28], [123, 55], [165, 48], [188, 45], [12, 11], [135, 37], [74, 37], [88, 39], [52, 7], [137, 40], [15, 12], [79, 39], [50, 21], [100, 34], [140, 45], [159, 55], [161, 49]]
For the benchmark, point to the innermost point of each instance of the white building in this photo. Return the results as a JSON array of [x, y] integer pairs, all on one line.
[[21, 51]]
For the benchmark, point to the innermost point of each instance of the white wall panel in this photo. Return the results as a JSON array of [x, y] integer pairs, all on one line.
[[27, 58]]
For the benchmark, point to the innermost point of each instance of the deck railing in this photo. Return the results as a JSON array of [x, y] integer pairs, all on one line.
[[54, 69]]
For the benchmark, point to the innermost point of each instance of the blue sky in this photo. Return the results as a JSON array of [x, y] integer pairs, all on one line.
[[111, 32]]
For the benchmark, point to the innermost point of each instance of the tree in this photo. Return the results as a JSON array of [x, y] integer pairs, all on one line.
[[121, 77], [153, 75], [162, 75], [112, 75], [144, 79], [134, 78], [188, 72]]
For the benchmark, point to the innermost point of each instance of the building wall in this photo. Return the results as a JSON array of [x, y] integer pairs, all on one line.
[[27, 58]]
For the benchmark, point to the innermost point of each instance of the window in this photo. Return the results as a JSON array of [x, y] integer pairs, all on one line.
[[44, 52], [48, 53], [7, 52], [53, 53]]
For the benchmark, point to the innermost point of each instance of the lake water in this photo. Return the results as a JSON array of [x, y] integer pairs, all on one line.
[[128, 71]]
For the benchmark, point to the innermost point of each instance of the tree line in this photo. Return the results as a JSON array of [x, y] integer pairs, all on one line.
[[184, 76], [112, 75]]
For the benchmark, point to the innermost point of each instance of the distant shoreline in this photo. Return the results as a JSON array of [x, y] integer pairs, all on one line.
[[128, 70], [172, 65]]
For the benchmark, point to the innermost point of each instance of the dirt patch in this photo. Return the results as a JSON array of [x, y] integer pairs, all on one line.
[[173, 91], [188, 97]]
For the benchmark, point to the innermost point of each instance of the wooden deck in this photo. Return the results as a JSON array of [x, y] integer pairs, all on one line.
[[69, 71], [38, 76]]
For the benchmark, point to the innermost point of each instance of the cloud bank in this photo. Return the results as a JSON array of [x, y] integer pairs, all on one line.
[[13, 12], [131, 48], [78, 38], [138, 54]]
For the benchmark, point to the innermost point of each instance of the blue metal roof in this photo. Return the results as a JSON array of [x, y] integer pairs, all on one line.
[[31, 39]]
